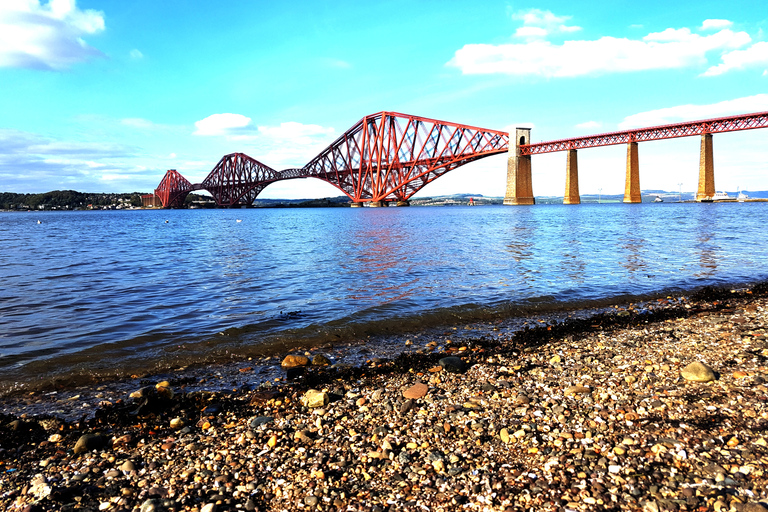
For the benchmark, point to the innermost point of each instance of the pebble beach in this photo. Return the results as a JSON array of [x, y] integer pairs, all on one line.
[[653, 407]]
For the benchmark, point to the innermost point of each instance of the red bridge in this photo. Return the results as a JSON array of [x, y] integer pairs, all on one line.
[[385, 157], [519, 180], [388, 157]]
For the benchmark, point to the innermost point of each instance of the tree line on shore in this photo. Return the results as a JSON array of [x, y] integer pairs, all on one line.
[[66, 200]]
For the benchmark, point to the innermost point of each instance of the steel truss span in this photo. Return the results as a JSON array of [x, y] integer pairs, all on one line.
[[383, 157], [391, 156], [238, 179], [670, 131], [173, 189]]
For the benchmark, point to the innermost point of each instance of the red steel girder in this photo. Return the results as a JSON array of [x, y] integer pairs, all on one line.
[[391, 156], [173, 189], [670, 131], [238, 179]]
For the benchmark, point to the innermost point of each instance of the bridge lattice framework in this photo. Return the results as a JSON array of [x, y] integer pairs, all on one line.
[[388, 157], [385, 157]]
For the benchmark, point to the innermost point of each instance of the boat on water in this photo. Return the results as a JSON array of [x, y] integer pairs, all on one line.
[[658, 200], [719, 196], [741, 196]]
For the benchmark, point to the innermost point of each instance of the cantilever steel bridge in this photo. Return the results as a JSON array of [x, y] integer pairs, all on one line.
[[387, 157], [384, 157]]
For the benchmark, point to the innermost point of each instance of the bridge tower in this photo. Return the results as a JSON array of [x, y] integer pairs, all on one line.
[[519, 184]]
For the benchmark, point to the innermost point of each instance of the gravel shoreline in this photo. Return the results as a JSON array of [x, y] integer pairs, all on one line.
[[604, 413]]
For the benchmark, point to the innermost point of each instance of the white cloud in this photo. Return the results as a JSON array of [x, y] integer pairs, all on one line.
[[756, 55], [682, 113], [224, 124], [46, 36], [538, 23], [289, 144], [136, 54], [531, 32], [589, 125], [715, 24], [668, 49]]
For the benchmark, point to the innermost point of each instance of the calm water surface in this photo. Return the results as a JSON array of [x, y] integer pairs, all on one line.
[[112, 292]]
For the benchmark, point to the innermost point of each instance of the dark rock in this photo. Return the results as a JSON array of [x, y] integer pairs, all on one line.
[[453, 364], [261, 420], [89, 442]]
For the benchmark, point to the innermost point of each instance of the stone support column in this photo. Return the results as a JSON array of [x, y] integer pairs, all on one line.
[[632, 182], [572, 179], [706, 168], [519, 184]]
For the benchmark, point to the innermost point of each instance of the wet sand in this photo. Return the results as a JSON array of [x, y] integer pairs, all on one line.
[[659, 406]]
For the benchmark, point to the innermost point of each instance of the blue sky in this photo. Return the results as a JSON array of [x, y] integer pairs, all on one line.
[[105, 96]]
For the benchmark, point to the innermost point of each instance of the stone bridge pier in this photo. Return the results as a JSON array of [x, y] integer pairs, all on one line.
[[519, 170], [519, 184]]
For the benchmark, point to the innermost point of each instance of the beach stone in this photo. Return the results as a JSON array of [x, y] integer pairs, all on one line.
[[314, 399], [406, 406], [418, 390], [208, 507], [89, 442], [260, 420], [320, 360], [698, 372], [293, 361], [453, 364], [148, 506], [577, 390], [177, 423]]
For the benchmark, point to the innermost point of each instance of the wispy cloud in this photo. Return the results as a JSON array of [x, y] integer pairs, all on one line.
[[754, 56], [136, 54], [138, 122], [538, 23], [31, 162], [673, 48], [287, 144], [682, 113], [46, 36], [715, 24], [227, 125]]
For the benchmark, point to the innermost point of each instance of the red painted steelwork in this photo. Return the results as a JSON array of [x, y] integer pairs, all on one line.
[[238, 179], [173, 189], [718, 125], [391, 156]]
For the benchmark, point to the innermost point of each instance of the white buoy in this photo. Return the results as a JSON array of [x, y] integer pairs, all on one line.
[[39, 221]]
